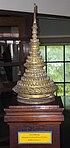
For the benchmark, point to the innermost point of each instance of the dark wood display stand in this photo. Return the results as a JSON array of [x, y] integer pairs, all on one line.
[[35, 118]]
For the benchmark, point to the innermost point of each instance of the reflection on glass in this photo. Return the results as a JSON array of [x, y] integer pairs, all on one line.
[[9, 51], [55, 71], [9, 54], [9, 31], [67, 53], [67, 102], [16, 73], [6, 57], [54, 53], [3, 76], [67, 72], [10, 73], [42, 50]]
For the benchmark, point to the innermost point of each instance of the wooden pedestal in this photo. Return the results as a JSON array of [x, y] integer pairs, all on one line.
[[35, 119]]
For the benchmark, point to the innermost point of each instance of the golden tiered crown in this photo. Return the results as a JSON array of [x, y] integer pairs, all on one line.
[[35, 87]]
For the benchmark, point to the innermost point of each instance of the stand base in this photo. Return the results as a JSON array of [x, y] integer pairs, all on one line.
[[28, 125], [35, 100]]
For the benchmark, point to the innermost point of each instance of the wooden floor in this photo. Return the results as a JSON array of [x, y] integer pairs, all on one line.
[[9, 99]]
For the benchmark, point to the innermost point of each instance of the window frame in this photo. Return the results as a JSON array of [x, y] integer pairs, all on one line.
[[64, 62]]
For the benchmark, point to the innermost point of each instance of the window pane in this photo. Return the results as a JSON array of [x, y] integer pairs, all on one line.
[[8, 31], [67, 53], [54, 53], [9, 51], [10, 73], [67, 89], [16, 73], [67, 72], [42, 50], [67, 103], [3, 76], [60, 90], [55, 71]]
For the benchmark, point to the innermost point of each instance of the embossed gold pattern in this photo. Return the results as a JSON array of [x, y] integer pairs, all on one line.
[[35, 87]]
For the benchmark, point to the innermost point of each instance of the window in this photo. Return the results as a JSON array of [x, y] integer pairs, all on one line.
[[57, 60]]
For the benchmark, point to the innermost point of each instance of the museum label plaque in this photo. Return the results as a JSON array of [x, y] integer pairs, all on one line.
[[35, 137]]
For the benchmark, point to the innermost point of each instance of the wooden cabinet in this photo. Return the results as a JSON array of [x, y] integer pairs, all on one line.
[[14, 48]]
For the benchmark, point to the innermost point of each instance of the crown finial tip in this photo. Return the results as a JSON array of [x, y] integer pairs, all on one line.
[[35, 10]]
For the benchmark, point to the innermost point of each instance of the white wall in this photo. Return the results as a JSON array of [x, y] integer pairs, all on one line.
[[55, 7]]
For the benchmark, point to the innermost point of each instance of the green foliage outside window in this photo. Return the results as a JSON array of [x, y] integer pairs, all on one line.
[[57, 59]]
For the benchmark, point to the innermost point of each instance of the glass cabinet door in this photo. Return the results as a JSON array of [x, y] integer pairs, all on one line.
[[12, 49]]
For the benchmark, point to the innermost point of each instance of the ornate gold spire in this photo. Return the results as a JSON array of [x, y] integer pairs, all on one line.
[[35, 87]]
